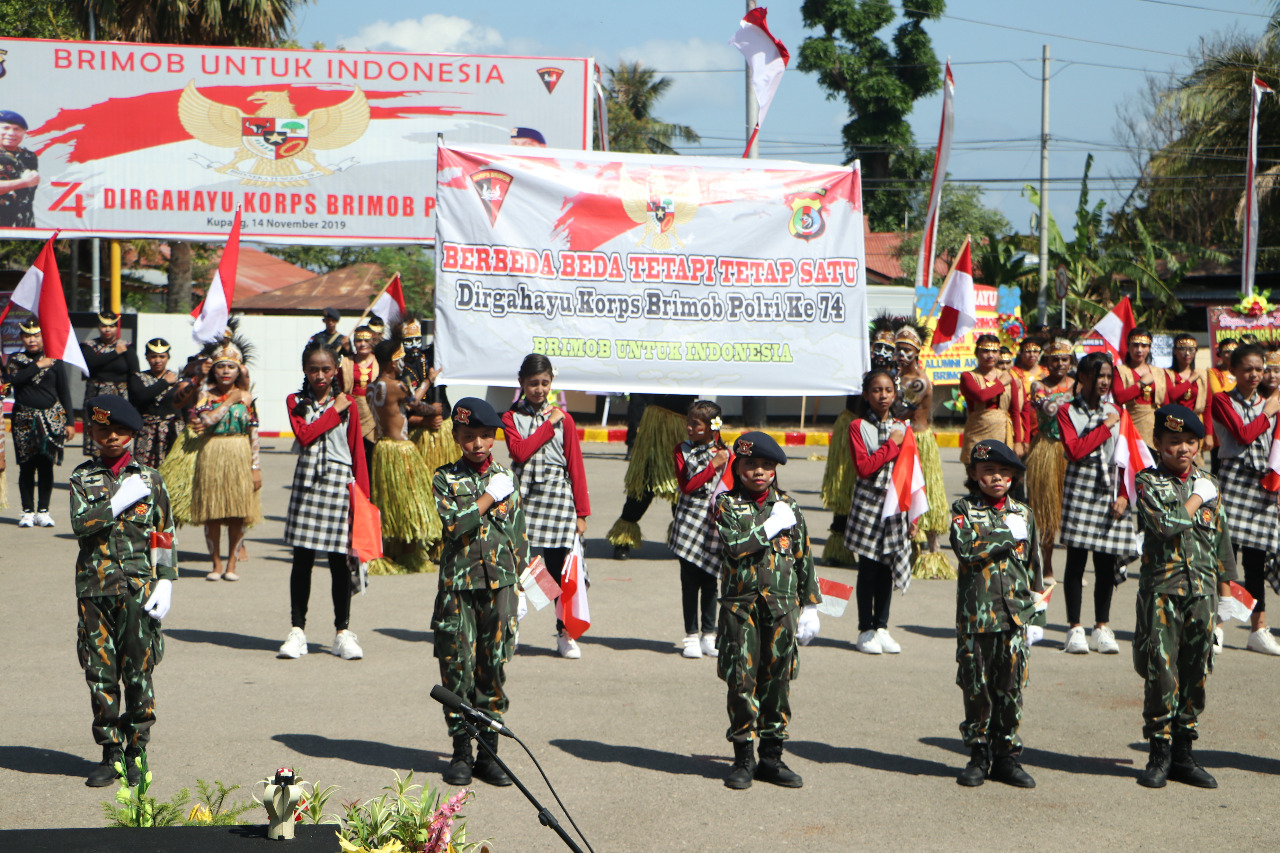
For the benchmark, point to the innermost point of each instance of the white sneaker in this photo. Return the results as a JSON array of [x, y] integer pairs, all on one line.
[[43, 519], [1104, 641], [28, 520], [1264, 642], [692, 647], [295, 645], [1219, 640], [709, 645], [868, 644], [1076, 643], [888, 644], [567, 647], [346, 647]]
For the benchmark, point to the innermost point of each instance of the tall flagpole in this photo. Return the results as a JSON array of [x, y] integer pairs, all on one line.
[[1249, 254], [942, 154]]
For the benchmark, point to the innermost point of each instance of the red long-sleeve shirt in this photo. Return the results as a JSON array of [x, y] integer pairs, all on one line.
[[522, 449], [979, 396], [689, 485], [308, 433], [1226, 417], [867, 464]]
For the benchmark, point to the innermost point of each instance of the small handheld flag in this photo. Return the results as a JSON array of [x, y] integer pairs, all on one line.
[[835, 597], [539, 587]]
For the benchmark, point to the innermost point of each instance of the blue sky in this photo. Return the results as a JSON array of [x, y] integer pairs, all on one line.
[[1100, 48]]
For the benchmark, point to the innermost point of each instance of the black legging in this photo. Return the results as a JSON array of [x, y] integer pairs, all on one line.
[[695, 584], [27, 472], [1104, 584], [1254, 561], [554, 558], [304, 559], [634, 508], [875, 591]]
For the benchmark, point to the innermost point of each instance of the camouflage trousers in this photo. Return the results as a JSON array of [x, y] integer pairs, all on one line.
[[757, 661], [991, 672], [474, 631], [1173, 652], [117, 642]]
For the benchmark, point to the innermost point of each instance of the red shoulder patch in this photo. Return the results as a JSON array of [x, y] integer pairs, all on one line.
[[958, 521]]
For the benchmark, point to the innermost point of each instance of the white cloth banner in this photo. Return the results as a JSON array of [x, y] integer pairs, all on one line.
[[316, 147], [646, 273]]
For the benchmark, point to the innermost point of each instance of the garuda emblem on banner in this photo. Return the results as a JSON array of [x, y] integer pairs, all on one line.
[[658, 207], [275, 139]]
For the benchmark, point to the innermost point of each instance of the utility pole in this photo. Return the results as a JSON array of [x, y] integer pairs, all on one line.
[[1043, 295], [753, 408]]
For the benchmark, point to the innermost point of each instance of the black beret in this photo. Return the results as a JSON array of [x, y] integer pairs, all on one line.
[[997, 452], [1175, 418], [10, 117], [472, 411], [759, 445], [333, 313], [112, 409]]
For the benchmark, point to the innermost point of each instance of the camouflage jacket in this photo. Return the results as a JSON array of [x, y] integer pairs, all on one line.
[[117, 555], [778, 570], [1181, 555], [997, 572], [480, 551]]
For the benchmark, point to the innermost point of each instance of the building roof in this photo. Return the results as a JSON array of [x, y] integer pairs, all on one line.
[[260, 272], [883, 266], [349, 289]]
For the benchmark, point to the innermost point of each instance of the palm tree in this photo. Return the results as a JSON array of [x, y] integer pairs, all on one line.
[[633, 92]]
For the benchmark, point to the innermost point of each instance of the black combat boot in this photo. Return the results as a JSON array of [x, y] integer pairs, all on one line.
[[486, 769], [105, 773], [1157, 772], [1184, 768], [1007, 769], [744, 764], [459, 770], [975, 772], [771, 768], [132, 771]]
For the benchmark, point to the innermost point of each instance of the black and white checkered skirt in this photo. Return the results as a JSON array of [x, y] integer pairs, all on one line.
[[1086, 513], [693, 536], [550, 515], [882, 540], [1252, 516], [319, 510]]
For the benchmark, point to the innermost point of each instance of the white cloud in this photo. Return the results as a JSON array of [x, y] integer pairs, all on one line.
[[707, 102], [429, 34]]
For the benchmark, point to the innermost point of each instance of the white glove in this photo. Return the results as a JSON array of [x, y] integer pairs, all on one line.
[[500, 486], [132, 490], [157, 605], [779, 520], [1205, 488], [522, 607], [1017, 525], [807, 625]]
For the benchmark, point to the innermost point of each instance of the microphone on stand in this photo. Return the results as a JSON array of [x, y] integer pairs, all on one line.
[[453, 702]]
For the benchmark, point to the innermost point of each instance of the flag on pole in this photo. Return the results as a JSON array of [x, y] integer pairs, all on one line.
[[574, 612], [214, 310], [835, 597], [906, 490], [539, 587], [1271, 480], [959, 303], [928, 241], [1239, 605], [1249, 257], [390, 303], [40, 292], [1131, 455], [1115, 327], [767, 58]]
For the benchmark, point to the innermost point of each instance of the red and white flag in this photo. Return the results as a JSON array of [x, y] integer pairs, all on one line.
[[835, 597], [1131, 456], [1249, 256], [928, 241], [906, 491], [767, 58], [1115, 327], [214, 310], [1239, 605], [162, 552], [572, 606], [959, 304], [1271, 480], [390, 303], [539, 587], [40, 292]]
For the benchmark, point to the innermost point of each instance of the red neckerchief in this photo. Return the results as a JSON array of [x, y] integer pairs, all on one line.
[[998, 505], [1183, 477], [118, 466], [760, 500], [479, 469]]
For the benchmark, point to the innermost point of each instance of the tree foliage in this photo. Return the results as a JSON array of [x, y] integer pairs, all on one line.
[[631, 95]]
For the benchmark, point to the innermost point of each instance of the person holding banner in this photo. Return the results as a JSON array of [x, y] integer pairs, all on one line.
[[881, 544], [41, 421], [1096, 514], [111, 364], [547, 459], [330, 457], [1246, 424], [157, 393], [993, 401], [1047, 460], [358, 374], [1140, 386]]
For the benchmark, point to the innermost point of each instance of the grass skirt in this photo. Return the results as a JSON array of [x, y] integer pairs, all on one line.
[[625, 534], [651, 469], [1046, 470], [411, 562], [222, 486], [839, 476], [401, 486], [178, 471], [437, 448]]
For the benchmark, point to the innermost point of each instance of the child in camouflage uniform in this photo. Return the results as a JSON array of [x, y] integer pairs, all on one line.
[[1187, 563], [124, 578], [769, 603], [485, 549], [999, 585]]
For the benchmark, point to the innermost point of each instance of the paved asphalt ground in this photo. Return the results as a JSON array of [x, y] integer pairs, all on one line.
[[631, 734]]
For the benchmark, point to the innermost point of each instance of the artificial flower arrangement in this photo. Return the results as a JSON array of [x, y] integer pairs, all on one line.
[[1254, 305]]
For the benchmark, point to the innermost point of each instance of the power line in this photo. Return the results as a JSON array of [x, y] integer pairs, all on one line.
[[1205, 8]]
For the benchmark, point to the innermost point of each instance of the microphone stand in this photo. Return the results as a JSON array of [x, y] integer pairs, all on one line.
[[545, 817]]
